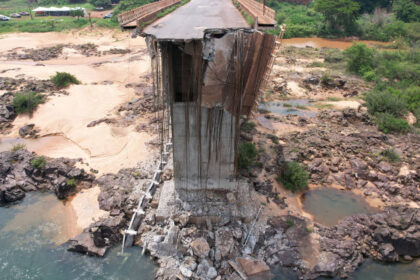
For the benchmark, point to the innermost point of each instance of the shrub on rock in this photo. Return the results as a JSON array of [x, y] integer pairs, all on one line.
[[63, 79], [27, 102], [38, 162], [294, 177]]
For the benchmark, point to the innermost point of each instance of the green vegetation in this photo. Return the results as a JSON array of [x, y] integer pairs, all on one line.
[[406, 10], [309, 229], [396, 78], [369, 20], [63, 79], [248, 18], [290, 223], [106, 4], [338, 14], [248, 126], [391, 155], [301, 21], [273, 138], [294, 177], [71, 182], [359, 58], [38, 162], [389, 124], [43, 24], [247, 155], [27, 102], [18, 147], [125, 5]]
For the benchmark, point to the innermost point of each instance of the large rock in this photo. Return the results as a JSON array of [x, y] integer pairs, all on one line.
[[200, 247], [84, 244], [224, 243]]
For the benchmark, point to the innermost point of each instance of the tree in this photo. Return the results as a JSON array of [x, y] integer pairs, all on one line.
[[367, 6], [406, 10], [101, 3], [339, 14], [77, 13]]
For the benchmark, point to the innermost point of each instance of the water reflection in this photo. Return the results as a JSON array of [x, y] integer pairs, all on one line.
[[28, 250]]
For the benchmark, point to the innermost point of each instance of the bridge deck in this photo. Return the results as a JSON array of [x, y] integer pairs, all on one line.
[[190, 20]]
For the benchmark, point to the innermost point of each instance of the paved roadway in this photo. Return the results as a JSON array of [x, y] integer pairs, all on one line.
[[190, 20]]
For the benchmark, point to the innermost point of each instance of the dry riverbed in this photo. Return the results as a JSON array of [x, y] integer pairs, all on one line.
[[100, 122], [106, 124]]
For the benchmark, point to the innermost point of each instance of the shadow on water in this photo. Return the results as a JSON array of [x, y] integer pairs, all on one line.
[[28, 253], [299, 107], [329, 205]]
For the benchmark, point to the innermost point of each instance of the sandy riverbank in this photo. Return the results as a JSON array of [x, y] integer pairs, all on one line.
[[104, 147]]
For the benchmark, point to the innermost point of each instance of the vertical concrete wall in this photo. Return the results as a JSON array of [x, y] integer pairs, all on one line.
[[204, 157]]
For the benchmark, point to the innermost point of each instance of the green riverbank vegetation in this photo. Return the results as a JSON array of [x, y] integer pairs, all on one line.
[[380, 20]]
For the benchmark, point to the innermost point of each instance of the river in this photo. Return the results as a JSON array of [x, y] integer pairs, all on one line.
[[327, 43], [29, 250]]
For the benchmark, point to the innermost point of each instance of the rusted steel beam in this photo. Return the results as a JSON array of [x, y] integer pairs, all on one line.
[[143, 13], [263, 14]]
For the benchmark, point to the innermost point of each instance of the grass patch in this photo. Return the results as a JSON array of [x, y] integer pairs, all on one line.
[[18, 147], [44, 24], [391, 155], [71, 182], [27, 102], [334, 99], [301, 107], [287, 105], [289, 223], [63, 79], [294, 177], [248, 126], [323, 106], [38, 162], [315, 64], [247, 17], [247, 155]]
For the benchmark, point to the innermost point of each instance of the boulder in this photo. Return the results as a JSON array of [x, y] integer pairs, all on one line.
[[200, 247]]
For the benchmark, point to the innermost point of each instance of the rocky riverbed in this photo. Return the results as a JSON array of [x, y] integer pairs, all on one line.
[[337, 141]]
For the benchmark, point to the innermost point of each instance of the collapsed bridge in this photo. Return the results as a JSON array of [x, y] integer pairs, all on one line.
[[208, 66]]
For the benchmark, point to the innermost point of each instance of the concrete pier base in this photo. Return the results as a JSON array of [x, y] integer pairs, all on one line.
[[218, 207]]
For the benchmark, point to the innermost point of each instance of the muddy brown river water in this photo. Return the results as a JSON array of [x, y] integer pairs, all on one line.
[[327, 43]]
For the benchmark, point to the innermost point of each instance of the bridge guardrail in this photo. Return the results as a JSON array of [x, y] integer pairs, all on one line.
[[145, 10], [256, 9]]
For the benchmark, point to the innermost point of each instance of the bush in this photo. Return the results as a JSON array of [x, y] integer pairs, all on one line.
[[63, 79], [406, 10], [27, 102], [334, 56], [273, 138], [18, 147], [369, 76], [417, 115], [248, 126], [389, 124], [71, 182], [384, 102], [101, 3], [391, 155], [38, 162], [247, 155], [360, 58], [295, 177]]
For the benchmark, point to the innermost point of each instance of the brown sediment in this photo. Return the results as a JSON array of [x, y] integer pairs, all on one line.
[[327, 43]]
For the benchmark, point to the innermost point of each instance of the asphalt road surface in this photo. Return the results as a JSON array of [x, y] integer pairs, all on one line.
[[190, 20]]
